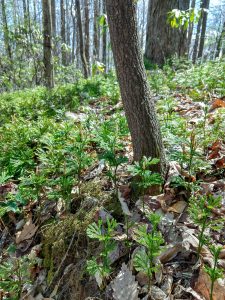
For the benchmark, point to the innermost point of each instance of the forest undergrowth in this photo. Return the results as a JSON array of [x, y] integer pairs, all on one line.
[[80, 220]]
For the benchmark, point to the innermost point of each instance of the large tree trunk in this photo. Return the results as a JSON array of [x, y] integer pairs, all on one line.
[[138, 104], [204, 24], [63, 32], [47, 34], [6, 31], [87, 32], [81, 42], [96, 30], [163, 41]]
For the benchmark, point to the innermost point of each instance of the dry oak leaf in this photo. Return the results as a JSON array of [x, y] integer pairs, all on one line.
[[218, 103], [178, 207], [124, 285], [28, 231], [203, 284]]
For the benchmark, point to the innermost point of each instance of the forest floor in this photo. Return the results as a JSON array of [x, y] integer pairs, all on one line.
[[79, 220]]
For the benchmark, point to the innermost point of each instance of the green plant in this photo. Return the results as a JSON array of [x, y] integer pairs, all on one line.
[[144, 260], [109, 138], [14, 273], [214, 272], [144, 176], [104, 234], [201, 212]]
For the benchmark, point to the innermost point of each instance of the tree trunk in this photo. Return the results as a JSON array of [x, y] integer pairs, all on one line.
[[196, 44], [63, 32], [220, 41], [104, 35], [24, 11], [204, 24], [87, 32], [6, 31], [68, 31], [81, 42], [96, 30], [73, 15], [47, 34], [143, 25], [191, 27], [163, 41], [53, 13], [138, 104]]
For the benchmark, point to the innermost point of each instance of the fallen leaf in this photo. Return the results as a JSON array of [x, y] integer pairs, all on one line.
[[124, 285], [203, 284], [170, 253], [124, 205], [217, 103], [28, 231], [178, 207]]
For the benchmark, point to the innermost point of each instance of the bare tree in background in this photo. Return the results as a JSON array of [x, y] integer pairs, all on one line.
[[163, 41], [47, 43]]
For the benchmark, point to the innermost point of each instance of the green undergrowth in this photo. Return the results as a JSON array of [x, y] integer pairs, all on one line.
[[46, 154]]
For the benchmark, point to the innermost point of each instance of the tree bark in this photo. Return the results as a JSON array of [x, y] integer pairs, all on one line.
[[81, 42], [191, 27], [138, 104], [53, 13], [163, 41], [47, 50], [104, 36], [199, 26], [63, 32], [96, 30], [204, 24], [6, 31], [220, 41], [87, 32]]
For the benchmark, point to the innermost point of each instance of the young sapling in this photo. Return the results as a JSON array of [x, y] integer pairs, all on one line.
[[144, 260], [201, 211], [144, 176], [103, 234], [214, 272]]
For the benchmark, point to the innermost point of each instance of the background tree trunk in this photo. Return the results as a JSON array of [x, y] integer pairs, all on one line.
[[96, 30], [163, 41], [6, 31], [47, 35], [63, 32], [220, 41], [204, 24], [191, 27], [138, 104], [81, 42], [87, 32], [53, 13], [104, 36], [196, 44]]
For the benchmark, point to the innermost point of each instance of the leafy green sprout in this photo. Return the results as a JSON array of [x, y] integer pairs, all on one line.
[[214, 272], [145, 259], [144, 176], [201, 212], [104, 234]]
